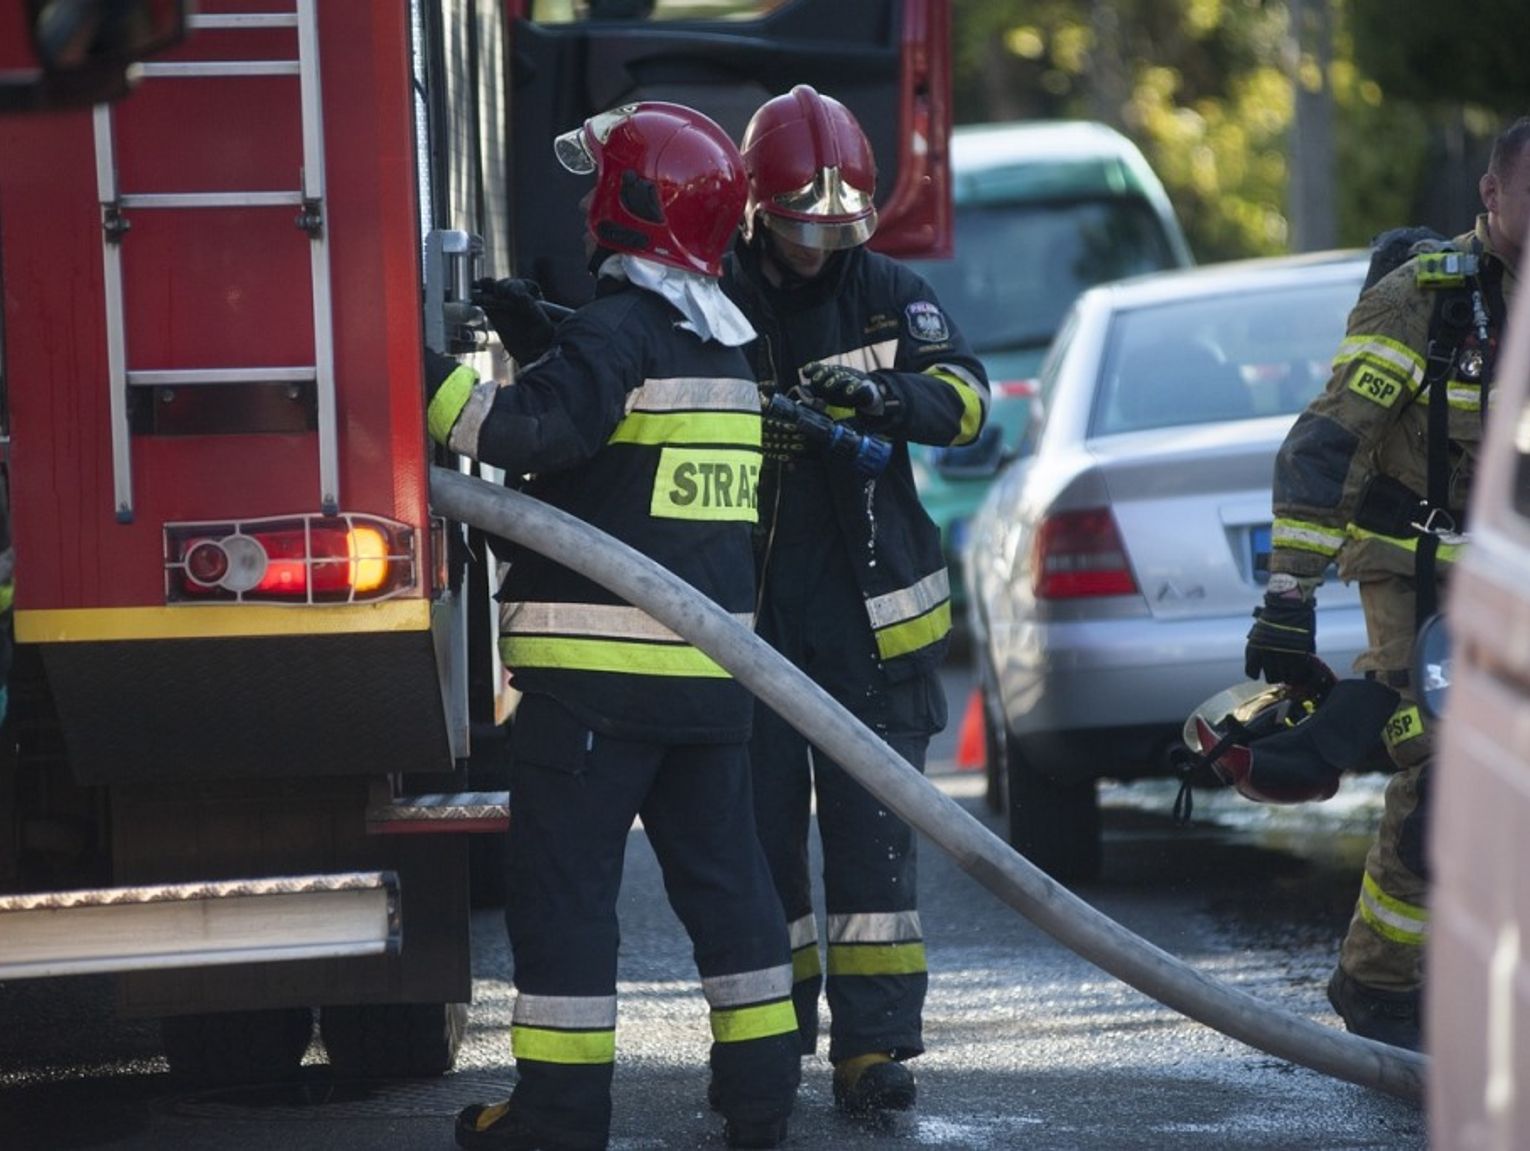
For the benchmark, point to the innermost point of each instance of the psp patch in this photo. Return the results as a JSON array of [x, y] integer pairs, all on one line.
[[926, 322]]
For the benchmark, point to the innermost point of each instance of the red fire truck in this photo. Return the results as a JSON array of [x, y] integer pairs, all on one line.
[[255, 682]]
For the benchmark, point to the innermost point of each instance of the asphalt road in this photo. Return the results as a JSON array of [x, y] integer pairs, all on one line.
[[1029, 1045]]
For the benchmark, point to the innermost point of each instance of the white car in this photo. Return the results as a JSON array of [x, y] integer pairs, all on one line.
[[1112, 574]]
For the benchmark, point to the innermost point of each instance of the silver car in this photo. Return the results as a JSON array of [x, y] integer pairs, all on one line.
[[1111, 574]]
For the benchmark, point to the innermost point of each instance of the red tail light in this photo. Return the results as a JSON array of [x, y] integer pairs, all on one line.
[[1080, 554], [294, 559]]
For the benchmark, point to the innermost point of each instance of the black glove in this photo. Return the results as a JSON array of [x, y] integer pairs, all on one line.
[[843, 387], [780, 436], [1281, 644], [514, 311], [437, 368]]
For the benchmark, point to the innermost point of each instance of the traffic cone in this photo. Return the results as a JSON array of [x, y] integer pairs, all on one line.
[[971, 752]]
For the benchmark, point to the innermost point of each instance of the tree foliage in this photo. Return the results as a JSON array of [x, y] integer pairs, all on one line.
[[1426, 51], [1207, 89]]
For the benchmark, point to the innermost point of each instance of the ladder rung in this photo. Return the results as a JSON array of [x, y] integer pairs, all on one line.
[[245, 20], [211, 200], [190, 68], [193, 377]]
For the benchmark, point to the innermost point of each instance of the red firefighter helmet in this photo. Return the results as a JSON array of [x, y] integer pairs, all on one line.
[[669, 183], [1286, 743], [811, 172]]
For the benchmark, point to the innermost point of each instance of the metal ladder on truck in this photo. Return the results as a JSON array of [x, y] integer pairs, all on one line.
[[308, 199]]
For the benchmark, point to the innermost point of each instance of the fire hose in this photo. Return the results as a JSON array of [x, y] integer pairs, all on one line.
[[905, 792]]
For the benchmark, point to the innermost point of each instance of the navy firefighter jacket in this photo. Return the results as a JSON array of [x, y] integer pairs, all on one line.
[[868, 312], [642, 429]]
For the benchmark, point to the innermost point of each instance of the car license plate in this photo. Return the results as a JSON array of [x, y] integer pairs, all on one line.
[[1259, 546]]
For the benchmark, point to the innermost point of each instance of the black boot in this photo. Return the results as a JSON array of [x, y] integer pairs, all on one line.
[[868, 1085], [1385, 1016], [496, 1127], [769, 1133]]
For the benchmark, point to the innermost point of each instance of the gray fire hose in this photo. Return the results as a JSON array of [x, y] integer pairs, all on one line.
[[899, 786]]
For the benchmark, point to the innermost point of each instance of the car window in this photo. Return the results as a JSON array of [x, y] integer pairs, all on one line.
[[1231, 356], [1051, 367], [1017, 267]]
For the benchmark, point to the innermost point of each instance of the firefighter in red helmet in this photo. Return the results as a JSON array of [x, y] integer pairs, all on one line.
[[619, 717], [854, 588]]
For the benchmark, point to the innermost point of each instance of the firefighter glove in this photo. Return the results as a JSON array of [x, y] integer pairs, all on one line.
[[839, 386], [781, 436], [1281, 644], [514, 310]]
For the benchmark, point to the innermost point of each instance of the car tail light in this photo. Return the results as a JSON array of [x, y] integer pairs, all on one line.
[[309, 559], [1013, 389], [1080, 554]]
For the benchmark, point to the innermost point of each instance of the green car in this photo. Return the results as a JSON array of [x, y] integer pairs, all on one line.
[[1044, 209]]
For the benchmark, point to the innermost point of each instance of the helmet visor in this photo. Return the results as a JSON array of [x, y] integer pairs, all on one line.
[[573, 148], [825, 213]]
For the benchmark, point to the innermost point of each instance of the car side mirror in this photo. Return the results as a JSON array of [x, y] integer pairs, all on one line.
[[1431, 665], [980, 459]]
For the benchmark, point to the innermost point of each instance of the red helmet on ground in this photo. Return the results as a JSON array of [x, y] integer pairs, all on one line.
[[811, 172], [669, 183]]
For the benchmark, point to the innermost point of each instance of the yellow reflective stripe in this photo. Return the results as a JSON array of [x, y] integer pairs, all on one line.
[[1391, 357], [806, 963], [573, 1047], [205, 621], [614, 655], [1463, 396], [972, 403], [1300, 535], [1444, 553], [900, 639], [876, 959], [709, 484], [1405, 724], [741, 1024], [656, 428], [1390, 917], [7, 596], [447, 404]]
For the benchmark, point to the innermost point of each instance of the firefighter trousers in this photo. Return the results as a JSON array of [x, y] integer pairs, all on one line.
[[876, 974], [1384, 946], [575, 794]]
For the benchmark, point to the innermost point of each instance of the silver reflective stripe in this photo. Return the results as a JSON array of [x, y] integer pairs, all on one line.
[[464, 434], [875, 927], [695, 394], [574, 1012], [1382, 350], [803, 931], [882, 354], [745, 987], [1467, 397], [606, 621], [910, 602]]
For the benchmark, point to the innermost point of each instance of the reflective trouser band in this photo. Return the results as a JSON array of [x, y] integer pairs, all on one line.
[[613, 655], [911, 635], [1390, 917], [806, 963], [876, 959], [547, 1045], [759, 1021]]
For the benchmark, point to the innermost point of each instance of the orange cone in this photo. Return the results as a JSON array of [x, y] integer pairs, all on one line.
[[971, 752]]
